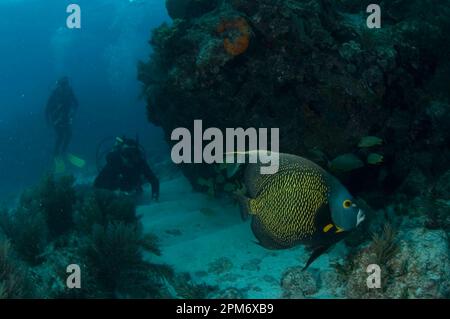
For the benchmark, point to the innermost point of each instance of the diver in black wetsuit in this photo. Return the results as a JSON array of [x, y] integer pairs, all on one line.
[[126, 168], [61, 107]]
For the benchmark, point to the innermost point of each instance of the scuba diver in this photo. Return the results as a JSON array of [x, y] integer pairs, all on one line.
[[126, 168], [61, 107]]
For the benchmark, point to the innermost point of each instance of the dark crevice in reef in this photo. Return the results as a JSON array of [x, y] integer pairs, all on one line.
[[313, 69]]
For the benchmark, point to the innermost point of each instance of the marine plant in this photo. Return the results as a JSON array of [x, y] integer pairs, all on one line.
[[184, 288], [150, 242], [384, 246], [100, 207], [44, 213], [13, 282], [104, 237], [345, 269], [28, 232], [54, 197], [115, 252], [435, 209]]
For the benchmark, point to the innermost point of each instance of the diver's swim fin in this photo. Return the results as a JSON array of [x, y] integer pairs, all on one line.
[[76, 161], [315, 254], [60, 166]]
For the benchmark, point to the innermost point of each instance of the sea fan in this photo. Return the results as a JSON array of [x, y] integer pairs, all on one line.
[[115, 252], [27, 231], [12, 277]]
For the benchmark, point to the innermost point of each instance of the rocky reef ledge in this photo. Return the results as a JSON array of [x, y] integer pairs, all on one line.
[[313, 69]]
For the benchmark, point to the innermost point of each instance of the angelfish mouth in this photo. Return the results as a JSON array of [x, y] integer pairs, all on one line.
[[360, 217]]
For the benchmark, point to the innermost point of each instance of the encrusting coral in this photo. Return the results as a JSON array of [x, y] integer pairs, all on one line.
[[238, 33]]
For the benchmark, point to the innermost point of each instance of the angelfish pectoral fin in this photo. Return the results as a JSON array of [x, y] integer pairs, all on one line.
[[315, 254], [327, 228]]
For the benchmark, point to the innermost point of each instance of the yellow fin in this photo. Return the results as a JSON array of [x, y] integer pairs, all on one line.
[[339, 230], [245, 206], [327, 228], [252, 207]]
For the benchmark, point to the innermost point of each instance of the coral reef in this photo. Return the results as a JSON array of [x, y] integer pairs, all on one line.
[[239, 39], [27, 230], [13, 282], [414, 263], [183, 287], [104, 237], [298, 284], [44, 213], [306, 65], [101, 207], [419, 269], [114, 252], [182, 9], [55, 199], [384, 246]]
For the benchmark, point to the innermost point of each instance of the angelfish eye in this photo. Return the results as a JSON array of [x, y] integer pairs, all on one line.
[[347, 203]]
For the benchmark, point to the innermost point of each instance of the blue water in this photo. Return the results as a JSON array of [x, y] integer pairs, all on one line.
[[36, 48], [210, 251]]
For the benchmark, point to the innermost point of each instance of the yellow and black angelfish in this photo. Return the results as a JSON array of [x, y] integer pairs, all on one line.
[[300, 204]]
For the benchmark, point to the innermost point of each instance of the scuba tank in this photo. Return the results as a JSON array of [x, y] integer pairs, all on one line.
[[116, 144]]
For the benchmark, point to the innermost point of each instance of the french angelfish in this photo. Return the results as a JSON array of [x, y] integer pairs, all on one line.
[[300, 204]]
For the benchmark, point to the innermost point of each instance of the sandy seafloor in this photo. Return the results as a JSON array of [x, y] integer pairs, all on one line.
[[207, 238]]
